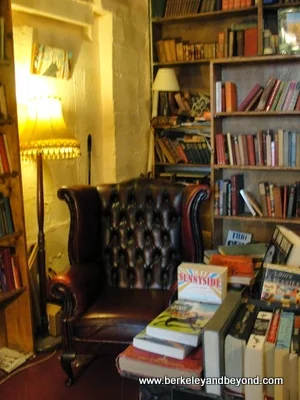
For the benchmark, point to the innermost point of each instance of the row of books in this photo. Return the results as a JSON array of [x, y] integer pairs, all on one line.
[[189, 149], [238, 40], [10, 275], [170, 50], [179, 8], [184, 103], [277, 95], [264, 148]]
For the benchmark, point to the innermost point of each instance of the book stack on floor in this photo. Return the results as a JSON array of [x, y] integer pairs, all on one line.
[[173, 343]]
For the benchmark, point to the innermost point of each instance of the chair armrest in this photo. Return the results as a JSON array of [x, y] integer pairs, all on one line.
[[77, 288], [194, 196]]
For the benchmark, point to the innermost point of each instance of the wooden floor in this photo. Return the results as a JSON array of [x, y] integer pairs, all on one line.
[[46, 380]]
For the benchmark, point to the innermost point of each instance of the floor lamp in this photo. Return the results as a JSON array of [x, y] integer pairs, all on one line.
[[45, 136]]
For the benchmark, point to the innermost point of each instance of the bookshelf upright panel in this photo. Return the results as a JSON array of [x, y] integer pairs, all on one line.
[[15, 307]]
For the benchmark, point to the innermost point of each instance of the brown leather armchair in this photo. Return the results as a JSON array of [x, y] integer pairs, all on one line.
[[125, 243]]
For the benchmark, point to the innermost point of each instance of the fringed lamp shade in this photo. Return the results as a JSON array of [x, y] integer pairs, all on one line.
[[46, 133]]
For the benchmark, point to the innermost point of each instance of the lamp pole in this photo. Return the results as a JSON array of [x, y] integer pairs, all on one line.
[[41, 247]]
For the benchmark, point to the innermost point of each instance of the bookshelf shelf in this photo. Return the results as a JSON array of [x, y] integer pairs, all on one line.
[[280, 5], [257, 114], [256, 59], [256, 167], [6, 298], [206, 16], [10, 240], [182, 63], [247, 217]]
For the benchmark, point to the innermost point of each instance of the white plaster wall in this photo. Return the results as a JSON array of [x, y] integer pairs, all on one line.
[[80, 104], [107, 96]]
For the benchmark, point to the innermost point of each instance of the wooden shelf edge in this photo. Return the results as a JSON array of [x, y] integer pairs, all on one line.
[[183, 62], [205, 15], [183, 165], [280, 5], [10, 296], [256, 59], [8, 240], [295, 221], [256, 114], [256, 167]]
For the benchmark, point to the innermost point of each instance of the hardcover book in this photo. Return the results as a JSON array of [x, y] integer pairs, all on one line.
[[254, 354], [143, 363], [161, 346], [282, 351], [284, 248], [281, 284], [201, 282], [183, 322], [236, 341], [213, 339]]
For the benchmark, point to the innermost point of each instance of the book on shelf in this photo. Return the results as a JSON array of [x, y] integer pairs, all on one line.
[[201, 282], [164, 347], [254, 354], [236, 237], [214, 337], [282, 351], [3, 102], [143, 363], [251, 203], [10, 273], [236, 341], [183, 322]]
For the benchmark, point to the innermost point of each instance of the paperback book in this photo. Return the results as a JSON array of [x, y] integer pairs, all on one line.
[[144, 363], [183, 322], [201, 282], [281, 284], [161, 346]]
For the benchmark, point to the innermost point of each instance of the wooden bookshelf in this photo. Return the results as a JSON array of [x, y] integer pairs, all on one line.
[[15, 308], [257, 70]]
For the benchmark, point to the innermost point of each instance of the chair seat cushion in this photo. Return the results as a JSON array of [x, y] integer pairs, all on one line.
[[120, 314]]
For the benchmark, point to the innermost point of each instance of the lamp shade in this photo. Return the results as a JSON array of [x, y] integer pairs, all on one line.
[[166, 80], [45, 132]]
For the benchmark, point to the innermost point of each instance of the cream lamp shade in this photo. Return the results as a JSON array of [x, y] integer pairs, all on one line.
[[166, 80], [46, 133]]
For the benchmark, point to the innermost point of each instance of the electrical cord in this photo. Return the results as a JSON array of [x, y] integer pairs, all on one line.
[[27, 366]]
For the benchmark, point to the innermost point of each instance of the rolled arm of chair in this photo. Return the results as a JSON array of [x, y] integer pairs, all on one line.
[[76, 289], [194, 196]]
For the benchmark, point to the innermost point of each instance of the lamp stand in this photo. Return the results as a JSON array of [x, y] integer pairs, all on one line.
[[43, 341]]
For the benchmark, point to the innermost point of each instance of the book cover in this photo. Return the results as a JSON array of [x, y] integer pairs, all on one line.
[[257, 250], [183, 322], [281, 284], [201, 282], [254, 354], [161, 346], [282, 351], [144, 363], [236, 237], [256, 88], [236, 265], [284, 247], [236, 341], [213, 338], [269, 354]]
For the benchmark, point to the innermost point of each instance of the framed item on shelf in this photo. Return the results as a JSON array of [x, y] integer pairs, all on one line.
[[289, 30]]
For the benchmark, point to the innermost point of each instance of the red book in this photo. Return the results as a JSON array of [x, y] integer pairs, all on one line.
[[271, 338], [260, 143], [3, 155], [250, 42], [249, 97], [237, 202], [143, 363], [7, 267], [273, 95], [297, 106], [251, 150]]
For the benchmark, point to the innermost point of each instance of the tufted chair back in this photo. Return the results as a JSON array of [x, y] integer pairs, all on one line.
[[134, 230]]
